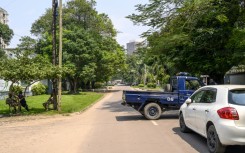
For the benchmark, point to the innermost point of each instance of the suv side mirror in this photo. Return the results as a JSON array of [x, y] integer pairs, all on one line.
[[188, 101]]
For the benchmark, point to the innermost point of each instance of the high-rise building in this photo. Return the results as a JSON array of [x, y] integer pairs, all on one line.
[[132, 47], [3, 20]]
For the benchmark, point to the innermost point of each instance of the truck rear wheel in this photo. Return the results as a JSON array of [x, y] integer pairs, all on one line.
[[152, 111]]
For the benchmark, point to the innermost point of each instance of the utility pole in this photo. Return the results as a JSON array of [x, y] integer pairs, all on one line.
[[145, 75], [54, 59], [60, 56]]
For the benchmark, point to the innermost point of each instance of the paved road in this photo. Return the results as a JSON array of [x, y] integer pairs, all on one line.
[[106, 127]]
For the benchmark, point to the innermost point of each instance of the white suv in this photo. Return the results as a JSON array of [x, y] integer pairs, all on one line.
[[217, 113]]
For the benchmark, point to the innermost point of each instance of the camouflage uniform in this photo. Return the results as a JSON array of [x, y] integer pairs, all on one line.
[[48, 102], [13, 103]]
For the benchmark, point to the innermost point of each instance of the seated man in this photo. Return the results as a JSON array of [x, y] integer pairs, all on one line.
[[12, 102], [23, 101], [48, 102]]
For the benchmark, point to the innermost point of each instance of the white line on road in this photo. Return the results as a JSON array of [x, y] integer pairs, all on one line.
[[154, 123]]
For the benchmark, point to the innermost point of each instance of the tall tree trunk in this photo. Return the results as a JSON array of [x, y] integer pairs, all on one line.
[[88, 85], [75, 85], [93, 84], [83, 85], [11, 87]]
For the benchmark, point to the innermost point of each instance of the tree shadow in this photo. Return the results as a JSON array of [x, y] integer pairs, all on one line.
[[33, 111], [116, 107]]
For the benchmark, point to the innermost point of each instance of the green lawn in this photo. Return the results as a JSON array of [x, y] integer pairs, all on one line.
[[69, 104]]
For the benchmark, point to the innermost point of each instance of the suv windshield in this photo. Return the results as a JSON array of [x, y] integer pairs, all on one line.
[[237, 97]]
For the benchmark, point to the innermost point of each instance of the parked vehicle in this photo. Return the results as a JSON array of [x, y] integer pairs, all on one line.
[[218, 113], [151, 104]]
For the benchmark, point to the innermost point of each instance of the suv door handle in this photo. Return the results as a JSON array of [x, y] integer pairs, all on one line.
[[206, 110], [193, 108]]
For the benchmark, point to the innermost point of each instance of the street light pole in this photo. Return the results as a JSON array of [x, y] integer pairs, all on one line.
[[60, 55]]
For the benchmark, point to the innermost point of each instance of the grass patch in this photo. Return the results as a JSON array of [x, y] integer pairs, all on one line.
[[69, 104]]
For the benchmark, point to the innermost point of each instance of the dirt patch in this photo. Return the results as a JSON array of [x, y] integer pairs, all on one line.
[[24, 118]]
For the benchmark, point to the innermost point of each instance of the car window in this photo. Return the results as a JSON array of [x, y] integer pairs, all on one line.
[[174, 84], [237, 97], [196, 98], [204, 96], [209, 96]]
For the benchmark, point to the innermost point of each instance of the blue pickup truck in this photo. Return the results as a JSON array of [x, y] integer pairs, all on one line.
[[151, 104]]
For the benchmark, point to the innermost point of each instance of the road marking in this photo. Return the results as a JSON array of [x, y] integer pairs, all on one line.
[[154, 123]]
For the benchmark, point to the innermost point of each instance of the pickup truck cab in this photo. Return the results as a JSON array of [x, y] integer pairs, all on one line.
[[151, 104]]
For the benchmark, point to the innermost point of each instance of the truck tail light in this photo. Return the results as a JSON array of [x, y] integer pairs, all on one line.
[[228, 113]]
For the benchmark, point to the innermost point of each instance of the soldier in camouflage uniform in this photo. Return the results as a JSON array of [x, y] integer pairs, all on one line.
[[13, 101], [48, 102]]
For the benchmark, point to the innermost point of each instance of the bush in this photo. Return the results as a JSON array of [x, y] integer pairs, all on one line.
[[151, 85], [16, 89], [98, 85], [141, 85], [38, 89]]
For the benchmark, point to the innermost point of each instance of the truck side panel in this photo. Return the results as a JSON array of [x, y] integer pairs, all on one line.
[[138, 99]]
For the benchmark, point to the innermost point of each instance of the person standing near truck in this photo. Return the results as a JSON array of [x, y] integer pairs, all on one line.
[[212, 82], [23, 100]]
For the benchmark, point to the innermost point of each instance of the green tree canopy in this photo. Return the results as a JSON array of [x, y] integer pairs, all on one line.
[[6, 33], [26, 65], [198, 36], [90, 50]]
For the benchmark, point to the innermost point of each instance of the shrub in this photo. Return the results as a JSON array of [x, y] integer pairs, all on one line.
[[151, 85], [141, 85], [16, 89], [98, 85], [38, 89]]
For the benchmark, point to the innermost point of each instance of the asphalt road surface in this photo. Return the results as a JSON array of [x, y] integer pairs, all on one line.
[[106, 127]]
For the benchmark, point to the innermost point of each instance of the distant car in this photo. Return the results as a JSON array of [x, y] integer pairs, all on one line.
[[218, 113]]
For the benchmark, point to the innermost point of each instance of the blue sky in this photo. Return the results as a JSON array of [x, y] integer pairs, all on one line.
[[22, 13]]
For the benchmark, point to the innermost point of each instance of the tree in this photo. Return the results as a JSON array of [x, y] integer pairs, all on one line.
[[196, 36], [26, 66], [2, 53], [5, 33], [90, 50], [43, 24]]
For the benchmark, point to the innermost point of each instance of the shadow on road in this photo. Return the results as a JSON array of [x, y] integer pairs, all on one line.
[[196, 141], [116, 107], [141, 117], [199, 143], [130, 118]]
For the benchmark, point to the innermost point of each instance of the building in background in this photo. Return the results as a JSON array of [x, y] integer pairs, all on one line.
[[236, 75], [3, 20], [132, 47], [4, 85]]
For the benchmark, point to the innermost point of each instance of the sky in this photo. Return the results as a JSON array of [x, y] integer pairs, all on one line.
[[22, 13]]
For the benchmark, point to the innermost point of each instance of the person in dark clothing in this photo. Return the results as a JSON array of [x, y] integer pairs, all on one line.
[[212, 82], [23, 100]]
